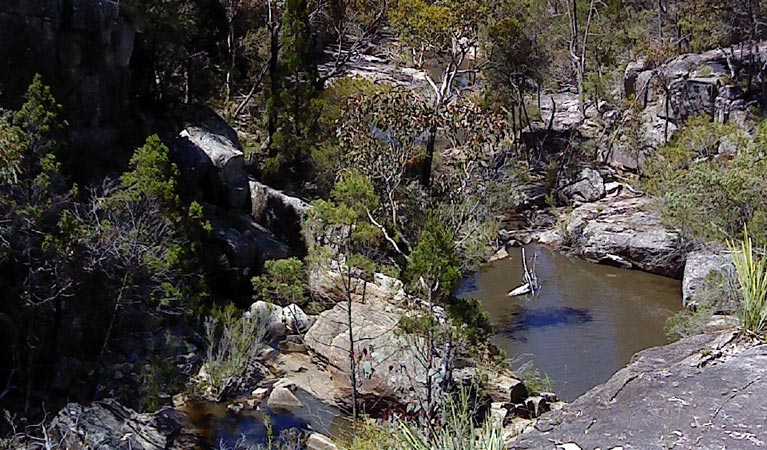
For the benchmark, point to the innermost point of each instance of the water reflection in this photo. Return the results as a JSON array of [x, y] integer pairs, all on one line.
[[217, 427], [528, 319], [586, 322]]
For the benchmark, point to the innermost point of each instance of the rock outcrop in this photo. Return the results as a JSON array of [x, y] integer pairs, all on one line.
[[214, 163], [245, 244], [387, 368], [279, 212], [625, 232], [109, 425], [82, 48], [583, 185], [703, 268], [703, 392], [704, 84], [383, 291]]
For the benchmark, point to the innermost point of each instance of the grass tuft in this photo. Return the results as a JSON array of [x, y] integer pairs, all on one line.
[[752, 278]]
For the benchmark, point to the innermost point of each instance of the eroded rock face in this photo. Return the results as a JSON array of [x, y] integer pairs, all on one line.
[[582, 186], [702, 266], [703, 392], [82, 48], [245, 244], [689, 86], [108, 425], [383, 291], [625, 232]]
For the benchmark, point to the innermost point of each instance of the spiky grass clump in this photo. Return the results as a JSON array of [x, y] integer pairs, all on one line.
[[456, 431], [752, 278]]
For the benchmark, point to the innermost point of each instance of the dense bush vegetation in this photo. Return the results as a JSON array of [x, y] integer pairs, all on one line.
[[456, 431], [406, 179], [78, 265], [709, 195]]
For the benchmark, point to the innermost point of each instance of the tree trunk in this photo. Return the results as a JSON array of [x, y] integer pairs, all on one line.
[[230, 41], [429, 157], [350, 325], [274, 85]]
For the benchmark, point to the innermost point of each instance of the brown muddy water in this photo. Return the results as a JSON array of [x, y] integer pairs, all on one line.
[[586, 322]]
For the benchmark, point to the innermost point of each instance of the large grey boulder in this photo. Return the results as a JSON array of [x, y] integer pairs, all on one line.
[[269, 316], [279, 212], [215, 162], [703, 392], [583, 185], [295, 319], [701, 269], [387, 370], [627, 232], [107, 425], [244, 244]]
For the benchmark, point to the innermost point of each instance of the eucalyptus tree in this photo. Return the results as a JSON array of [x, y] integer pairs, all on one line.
[[348, 242], [443, 39]]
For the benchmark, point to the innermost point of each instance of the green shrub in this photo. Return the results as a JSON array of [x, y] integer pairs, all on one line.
[[283, 282], [752, 278], [719, 289], [456, 431], [689, 322], [233, 341], [535, 380], [712, 199]]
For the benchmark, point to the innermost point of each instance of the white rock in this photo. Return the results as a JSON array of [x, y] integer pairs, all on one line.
[[499, 255], [282, 397], [317, 441], [269, 315], [498, 412], [295, 319], [259, 393], [569, 446]]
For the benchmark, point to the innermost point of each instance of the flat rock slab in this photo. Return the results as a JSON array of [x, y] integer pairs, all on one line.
[[626, 232], [703, 392]]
